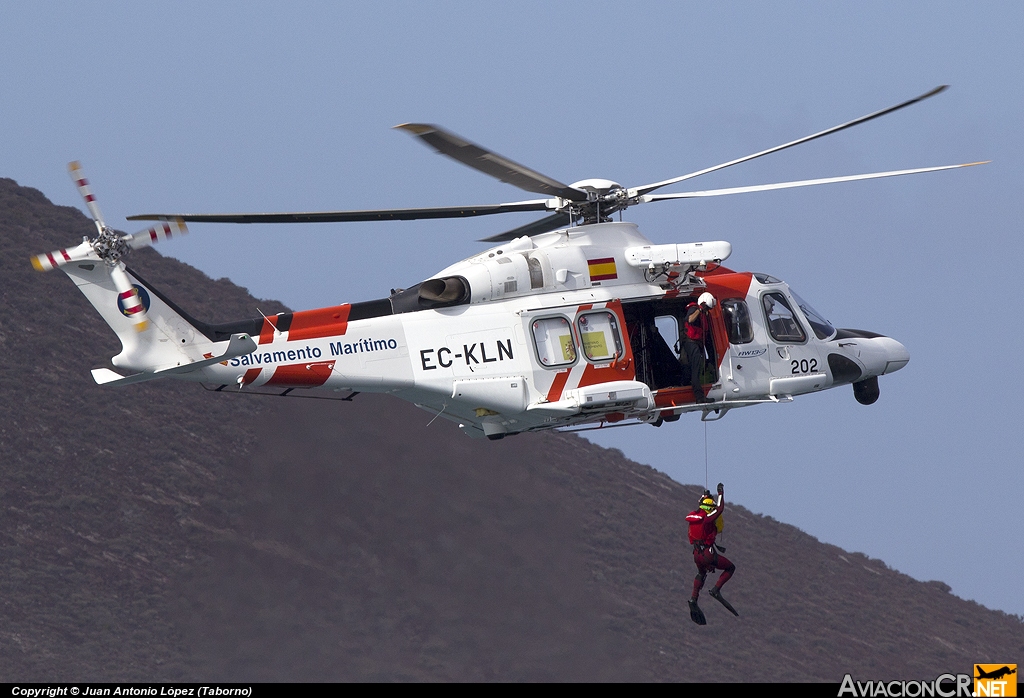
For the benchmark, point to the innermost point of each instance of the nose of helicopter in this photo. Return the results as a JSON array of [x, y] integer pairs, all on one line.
[[896, 355], [882, 355]]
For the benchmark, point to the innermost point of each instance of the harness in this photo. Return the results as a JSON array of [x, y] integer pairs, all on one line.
[[714, 547]]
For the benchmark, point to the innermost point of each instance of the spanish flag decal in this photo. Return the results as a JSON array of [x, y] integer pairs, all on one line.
[[602, 269]]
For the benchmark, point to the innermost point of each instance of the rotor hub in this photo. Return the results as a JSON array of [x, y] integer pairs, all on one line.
[[109, 245], [606, 197]]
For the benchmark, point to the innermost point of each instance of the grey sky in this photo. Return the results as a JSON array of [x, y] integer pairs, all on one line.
[[263, 106]]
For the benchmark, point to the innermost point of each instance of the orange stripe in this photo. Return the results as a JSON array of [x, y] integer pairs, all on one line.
[[674, 397], [267, 331], [251, 375], [323, 322], [555, 392], [729, 285], [303, 375], [623, 368], [724, 284]]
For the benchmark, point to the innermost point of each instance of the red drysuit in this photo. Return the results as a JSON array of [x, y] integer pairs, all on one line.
[[702, 536]]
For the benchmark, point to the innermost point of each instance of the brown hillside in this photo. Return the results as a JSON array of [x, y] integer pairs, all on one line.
[[160, 532]]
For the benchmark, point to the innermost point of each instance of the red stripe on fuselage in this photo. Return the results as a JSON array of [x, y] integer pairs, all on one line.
[[622, 368], [323, 322], [251, 375], [555, 392], [675, 397], [310, 375], [724, 283], [267, 331], [727, 284]]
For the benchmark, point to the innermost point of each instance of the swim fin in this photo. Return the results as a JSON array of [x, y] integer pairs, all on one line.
[[696, 615], [717, 596]]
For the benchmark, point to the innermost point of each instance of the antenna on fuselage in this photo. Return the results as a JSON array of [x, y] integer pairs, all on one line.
[[277, 332]]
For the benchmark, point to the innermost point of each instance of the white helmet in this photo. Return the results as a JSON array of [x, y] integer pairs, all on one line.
[[707, 300]]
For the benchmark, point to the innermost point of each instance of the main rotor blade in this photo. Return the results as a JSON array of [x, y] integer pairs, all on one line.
[[472, 155], [647, 188], [802, 183], [543, 225], [389, 214], [157, 233]]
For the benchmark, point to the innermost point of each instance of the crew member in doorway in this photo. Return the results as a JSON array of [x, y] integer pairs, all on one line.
[[705, 525], [695, 321]]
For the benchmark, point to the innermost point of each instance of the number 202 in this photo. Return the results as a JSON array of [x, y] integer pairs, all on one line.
[[804, 366]]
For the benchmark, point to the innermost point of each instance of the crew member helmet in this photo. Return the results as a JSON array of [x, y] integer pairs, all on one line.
[[707, 300], [707, 503]]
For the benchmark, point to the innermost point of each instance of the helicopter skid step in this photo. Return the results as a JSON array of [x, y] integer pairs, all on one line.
[[715, 405]]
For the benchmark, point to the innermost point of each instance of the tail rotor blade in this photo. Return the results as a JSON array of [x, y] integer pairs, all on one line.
[[75, 170], [128, 297], [157, 233], [58, 258], [109, 246]]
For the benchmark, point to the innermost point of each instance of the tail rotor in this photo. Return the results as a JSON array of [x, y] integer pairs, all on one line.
[[109, 246]]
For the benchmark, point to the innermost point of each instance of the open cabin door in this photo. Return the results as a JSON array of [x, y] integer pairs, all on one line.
[[655, 331]]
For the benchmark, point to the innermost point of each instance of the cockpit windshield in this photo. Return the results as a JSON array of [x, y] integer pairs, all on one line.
[[822, 328]]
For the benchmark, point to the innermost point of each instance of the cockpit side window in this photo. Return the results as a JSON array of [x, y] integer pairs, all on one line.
[[782, 323], [737, 321], [822, 328]]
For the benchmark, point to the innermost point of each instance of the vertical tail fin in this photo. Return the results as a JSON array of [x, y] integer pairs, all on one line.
[[169, 337]]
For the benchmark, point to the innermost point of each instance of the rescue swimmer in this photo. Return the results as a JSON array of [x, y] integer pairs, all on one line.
[[705, 523]]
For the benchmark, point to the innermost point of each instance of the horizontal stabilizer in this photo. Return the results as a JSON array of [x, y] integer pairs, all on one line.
[[238, 345]]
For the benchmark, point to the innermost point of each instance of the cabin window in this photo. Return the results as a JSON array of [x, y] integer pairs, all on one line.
[[782, 323], [737, 321], [536, 272], [552, 337], [599, 335]]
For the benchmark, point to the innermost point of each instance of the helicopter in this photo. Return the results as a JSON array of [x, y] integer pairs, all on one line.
[[571, 322]]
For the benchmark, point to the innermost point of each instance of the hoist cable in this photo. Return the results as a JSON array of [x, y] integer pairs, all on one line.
[[705, 455]]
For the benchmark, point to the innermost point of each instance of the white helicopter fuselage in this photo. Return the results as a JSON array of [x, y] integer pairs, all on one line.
[[578, 327], [574, 327]]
